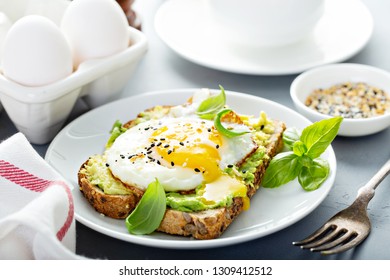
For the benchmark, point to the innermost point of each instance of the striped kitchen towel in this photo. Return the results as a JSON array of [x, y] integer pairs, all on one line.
[[36, 206]]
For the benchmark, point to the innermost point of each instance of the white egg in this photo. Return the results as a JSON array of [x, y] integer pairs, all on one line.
[[95, 29], [181, 152], [35, 52]]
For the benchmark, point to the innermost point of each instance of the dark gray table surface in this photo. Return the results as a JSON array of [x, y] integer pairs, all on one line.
[[357, 158]]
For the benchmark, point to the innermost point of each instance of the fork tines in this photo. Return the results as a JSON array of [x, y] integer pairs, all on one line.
[[329, 239]]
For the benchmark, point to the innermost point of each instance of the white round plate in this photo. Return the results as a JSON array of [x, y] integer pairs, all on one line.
[[185, 26], [271, 209]]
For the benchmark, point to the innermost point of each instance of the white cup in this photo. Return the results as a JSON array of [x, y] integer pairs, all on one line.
[[264, 23]]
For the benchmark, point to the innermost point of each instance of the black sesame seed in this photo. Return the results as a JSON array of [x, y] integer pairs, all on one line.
[[217, 146], [230, 166], [158, 144], [197, 170], [166, 146], [169, 152], [107, 165], [149, 152], [262, 127], [209, 129], [158, 162], [162, 139], [172, 163], [181, 143]]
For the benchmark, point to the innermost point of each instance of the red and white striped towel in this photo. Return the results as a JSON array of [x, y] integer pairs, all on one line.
[[36, 206]]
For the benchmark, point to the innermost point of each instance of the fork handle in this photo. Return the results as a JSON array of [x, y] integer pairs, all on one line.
[[367, 192]]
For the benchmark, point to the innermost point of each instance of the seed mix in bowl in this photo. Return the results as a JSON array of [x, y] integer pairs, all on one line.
[[350, 100]]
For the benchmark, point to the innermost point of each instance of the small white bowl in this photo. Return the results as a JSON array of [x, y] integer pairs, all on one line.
[[40, 112], [333, 74]]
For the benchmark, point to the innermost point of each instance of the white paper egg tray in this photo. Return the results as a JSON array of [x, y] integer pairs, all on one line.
[[40, 112]]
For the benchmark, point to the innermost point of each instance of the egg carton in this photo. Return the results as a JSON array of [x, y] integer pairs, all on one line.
[[40, 112]]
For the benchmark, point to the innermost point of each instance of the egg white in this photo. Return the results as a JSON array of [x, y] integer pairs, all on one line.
[[133, 158]]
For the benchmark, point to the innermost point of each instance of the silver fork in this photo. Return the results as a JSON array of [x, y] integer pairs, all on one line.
[[349, 227]]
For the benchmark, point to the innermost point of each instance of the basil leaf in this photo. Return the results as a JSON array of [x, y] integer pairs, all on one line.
[[318, 136], [149, 212], [219, 126], [283, 168], [299, 148], [290, 136], [212, 105], [116, 130], [311, 178]]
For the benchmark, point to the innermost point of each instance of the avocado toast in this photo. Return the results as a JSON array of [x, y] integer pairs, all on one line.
[[203, 200]]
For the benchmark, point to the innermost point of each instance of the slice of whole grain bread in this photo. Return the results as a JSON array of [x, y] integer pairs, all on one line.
[[206, 224]]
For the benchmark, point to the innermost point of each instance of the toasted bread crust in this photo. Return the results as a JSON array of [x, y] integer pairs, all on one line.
[[208, 224], [114, 206]]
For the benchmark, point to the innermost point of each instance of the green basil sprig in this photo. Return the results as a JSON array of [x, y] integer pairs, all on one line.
[[116, 130], [303, 160], [213, 108], [223, 130], [150, 210], [212, 105]]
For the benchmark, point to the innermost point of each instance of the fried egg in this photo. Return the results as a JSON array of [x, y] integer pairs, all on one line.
[[181, 152]]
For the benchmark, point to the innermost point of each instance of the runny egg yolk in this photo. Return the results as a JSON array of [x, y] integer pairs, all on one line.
[[192, 146], [225, 185]]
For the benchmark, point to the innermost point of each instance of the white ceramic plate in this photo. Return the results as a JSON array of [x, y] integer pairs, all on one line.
[[185, 26], [271, 209]]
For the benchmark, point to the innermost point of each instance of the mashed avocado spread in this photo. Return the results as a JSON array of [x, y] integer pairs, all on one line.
[[99, 174]]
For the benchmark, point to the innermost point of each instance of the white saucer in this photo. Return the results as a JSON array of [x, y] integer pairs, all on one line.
[[344, 29]]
